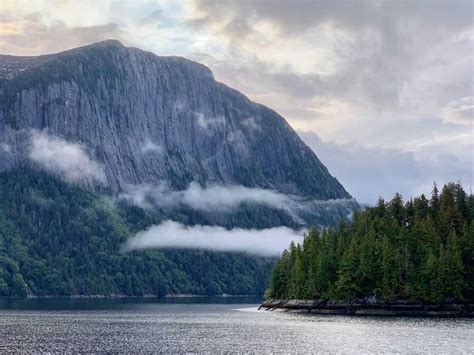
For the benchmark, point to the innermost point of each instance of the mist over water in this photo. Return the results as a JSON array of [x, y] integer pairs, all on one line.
[[214, 325]]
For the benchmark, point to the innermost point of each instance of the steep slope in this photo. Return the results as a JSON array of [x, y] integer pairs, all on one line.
[[149, 119]]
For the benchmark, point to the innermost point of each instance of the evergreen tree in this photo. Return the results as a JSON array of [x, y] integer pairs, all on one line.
[[396, 209], [431, 279], [467, 251], [453, 268], [388, 277], [346, 287], [434, 202], [299, 277]]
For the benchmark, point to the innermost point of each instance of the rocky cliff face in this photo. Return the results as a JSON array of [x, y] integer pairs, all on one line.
[[147, 119]]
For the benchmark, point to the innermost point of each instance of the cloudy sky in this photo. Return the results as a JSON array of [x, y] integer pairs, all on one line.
[[381, 90]]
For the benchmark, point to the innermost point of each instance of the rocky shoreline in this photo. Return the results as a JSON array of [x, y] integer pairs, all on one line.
[[368, 308]]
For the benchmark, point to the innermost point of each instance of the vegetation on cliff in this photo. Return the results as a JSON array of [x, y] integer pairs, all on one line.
[[59, 240], [421, 251]]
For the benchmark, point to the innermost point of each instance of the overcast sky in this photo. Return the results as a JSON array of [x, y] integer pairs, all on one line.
[[382, 90]]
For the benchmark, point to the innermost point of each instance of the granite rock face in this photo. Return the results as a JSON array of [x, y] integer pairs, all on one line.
[[147, 118]]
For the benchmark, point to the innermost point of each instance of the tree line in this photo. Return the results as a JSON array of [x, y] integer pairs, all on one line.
[[421, 251]]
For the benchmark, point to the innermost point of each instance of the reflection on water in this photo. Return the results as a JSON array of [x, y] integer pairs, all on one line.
[[217, 324]]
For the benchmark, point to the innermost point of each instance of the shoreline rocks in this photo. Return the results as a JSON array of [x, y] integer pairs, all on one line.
[[364, 308]]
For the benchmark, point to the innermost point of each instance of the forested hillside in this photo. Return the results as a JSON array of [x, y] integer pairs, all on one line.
[[57, 239], [421, 250]]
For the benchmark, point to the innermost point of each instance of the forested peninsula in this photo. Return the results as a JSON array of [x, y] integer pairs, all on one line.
[[413, 257]]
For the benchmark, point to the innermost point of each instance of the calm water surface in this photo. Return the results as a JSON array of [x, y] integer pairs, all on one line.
[[212, 325]]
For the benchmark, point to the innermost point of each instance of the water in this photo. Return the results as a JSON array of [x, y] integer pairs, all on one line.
[[214, 325]]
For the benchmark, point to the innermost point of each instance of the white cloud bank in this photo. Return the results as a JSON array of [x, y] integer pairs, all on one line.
[[226, 199], [210, 198], [67, 159], [170, 234]]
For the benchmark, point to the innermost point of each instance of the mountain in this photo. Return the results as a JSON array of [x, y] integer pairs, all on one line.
[[148, 119], [102, 142]]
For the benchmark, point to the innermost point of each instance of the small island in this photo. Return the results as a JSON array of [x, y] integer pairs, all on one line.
[[411, 259]]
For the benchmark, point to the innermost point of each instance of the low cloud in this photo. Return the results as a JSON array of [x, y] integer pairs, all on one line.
[[212, 198], [239, 142], [69, 160], [226, 199], [206, 122], [252, 124], [150, 147], [4, 147], [170, 234]]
